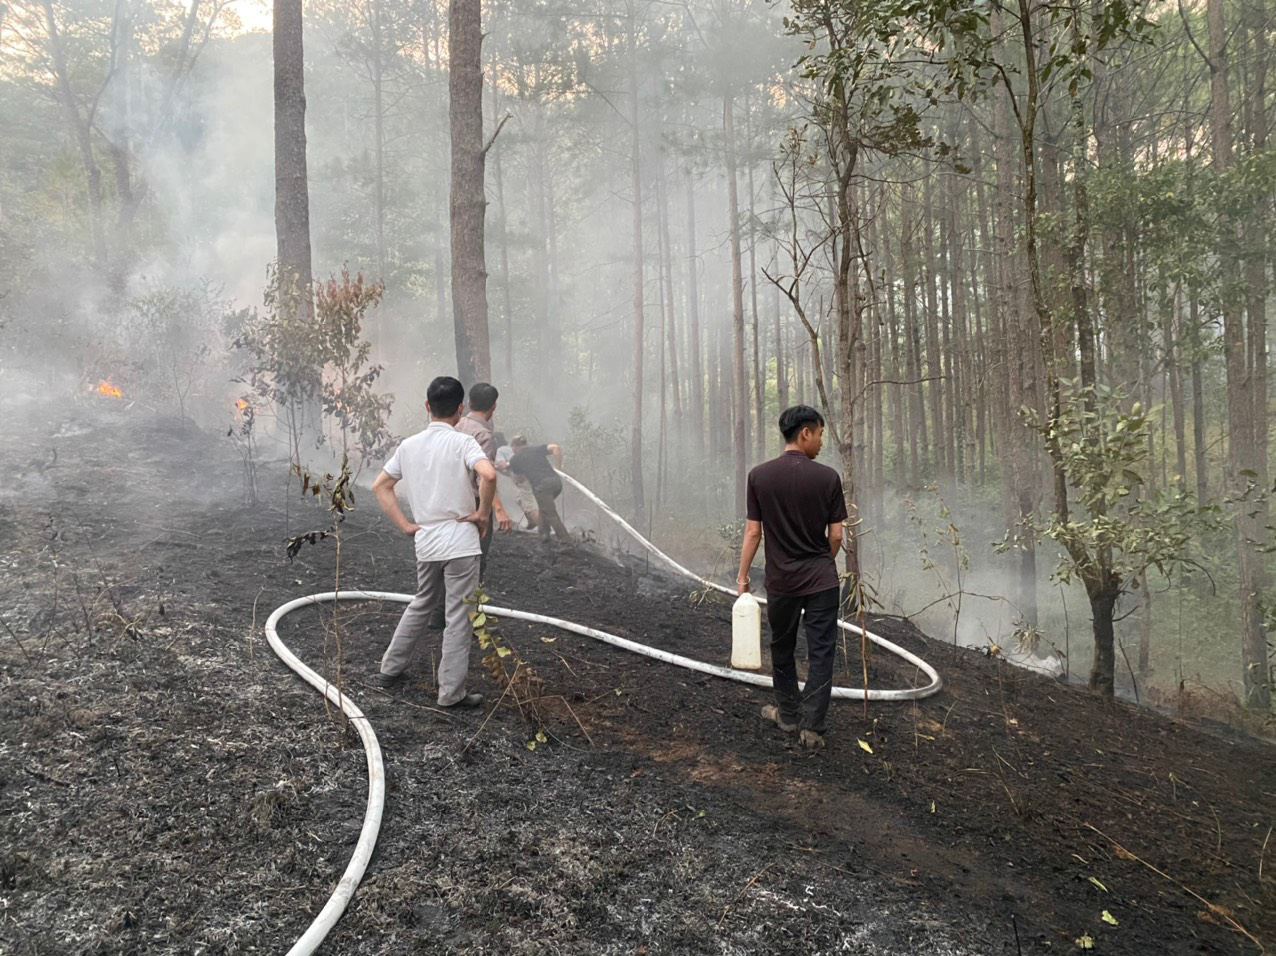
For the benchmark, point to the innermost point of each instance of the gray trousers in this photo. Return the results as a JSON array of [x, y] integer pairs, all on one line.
[[439, 583]]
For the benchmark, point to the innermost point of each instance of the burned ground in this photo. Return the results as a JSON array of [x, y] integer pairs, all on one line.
[[166, 785]]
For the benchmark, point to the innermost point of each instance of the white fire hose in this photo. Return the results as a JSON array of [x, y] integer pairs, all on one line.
[[336, 905]]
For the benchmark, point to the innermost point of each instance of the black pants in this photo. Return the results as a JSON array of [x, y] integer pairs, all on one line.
[[809, 708], [546, 491]]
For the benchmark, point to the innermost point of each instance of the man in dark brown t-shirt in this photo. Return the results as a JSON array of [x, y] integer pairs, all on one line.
[[797, 504]]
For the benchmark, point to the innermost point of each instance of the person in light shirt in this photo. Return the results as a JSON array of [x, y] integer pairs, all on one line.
[[437, 467], [478, 425]]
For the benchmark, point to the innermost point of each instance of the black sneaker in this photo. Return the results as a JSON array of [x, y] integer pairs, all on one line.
[[468, 702], [391, 681]]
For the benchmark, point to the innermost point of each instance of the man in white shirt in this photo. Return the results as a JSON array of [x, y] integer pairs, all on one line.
[[436, 466]]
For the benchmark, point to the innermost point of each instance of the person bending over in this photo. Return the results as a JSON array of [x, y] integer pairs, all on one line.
[[526, 500], [797, 505], [533, 463], [438, 466]]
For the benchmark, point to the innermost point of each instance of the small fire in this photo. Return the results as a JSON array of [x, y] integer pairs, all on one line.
[[106, 388], [241, 405]]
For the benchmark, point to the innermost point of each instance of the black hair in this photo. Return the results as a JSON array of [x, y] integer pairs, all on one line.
[[794, 419], [483, 397], [445, 396]]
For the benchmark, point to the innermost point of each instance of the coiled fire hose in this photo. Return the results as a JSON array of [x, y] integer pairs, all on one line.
[[336, 905]]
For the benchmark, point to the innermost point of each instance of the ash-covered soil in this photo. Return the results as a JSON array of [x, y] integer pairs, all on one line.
[[167, 786]]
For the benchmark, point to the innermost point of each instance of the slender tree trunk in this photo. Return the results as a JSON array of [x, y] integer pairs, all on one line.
[[378, 114], [781, 356], [292, 196], [912, 342], [1200, 460], [1017, 352], [934, 365], [898, 372], [693, 315], [759, 367], [468, 204], [739, 382], [666, 260], [1238, 346], [1258, 689], [506, 297], [1172, 329], [635, 183]]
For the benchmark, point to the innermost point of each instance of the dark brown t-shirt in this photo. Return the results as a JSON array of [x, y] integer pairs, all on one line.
[[533, 464], [796, 500]]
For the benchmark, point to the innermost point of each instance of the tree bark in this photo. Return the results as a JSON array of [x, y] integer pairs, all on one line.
[[1016, 350], [292, 194], [666, 260], [739, 382], [1172, 330], [781, 357], [635, 183], [759, 366], [693, 316], [1102, 668], [468, 201], [1242, 442], [506, 296]]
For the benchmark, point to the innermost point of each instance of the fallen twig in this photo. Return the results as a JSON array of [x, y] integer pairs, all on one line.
[[17, 640], [748, 886], [408, 703], [508, 685], [1214, 909], [580, 725]]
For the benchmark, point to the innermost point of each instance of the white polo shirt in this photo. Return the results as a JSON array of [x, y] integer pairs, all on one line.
[[436, 467]]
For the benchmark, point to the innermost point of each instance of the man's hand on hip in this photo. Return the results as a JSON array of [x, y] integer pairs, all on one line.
[[476, 518], [410, 528]]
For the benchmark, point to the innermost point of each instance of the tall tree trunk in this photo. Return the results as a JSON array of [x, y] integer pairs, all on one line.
[[739, 382], [693, 316], [378, 114], [934, 365], [635, 185], [912, 343], [1258, 689], [1201, 462], [898, 373], [666, 260], [1172, 313], [759, 367], [506, 297], [1242, 442], [292, 195], [468, 205], [781, 357], [1017, 351]]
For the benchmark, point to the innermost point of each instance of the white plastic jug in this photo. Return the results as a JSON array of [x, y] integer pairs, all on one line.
[[746, 633]]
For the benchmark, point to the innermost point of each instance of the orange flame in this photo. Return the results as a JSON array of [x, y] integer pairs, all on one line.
[[241, 405], [106, 388]]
